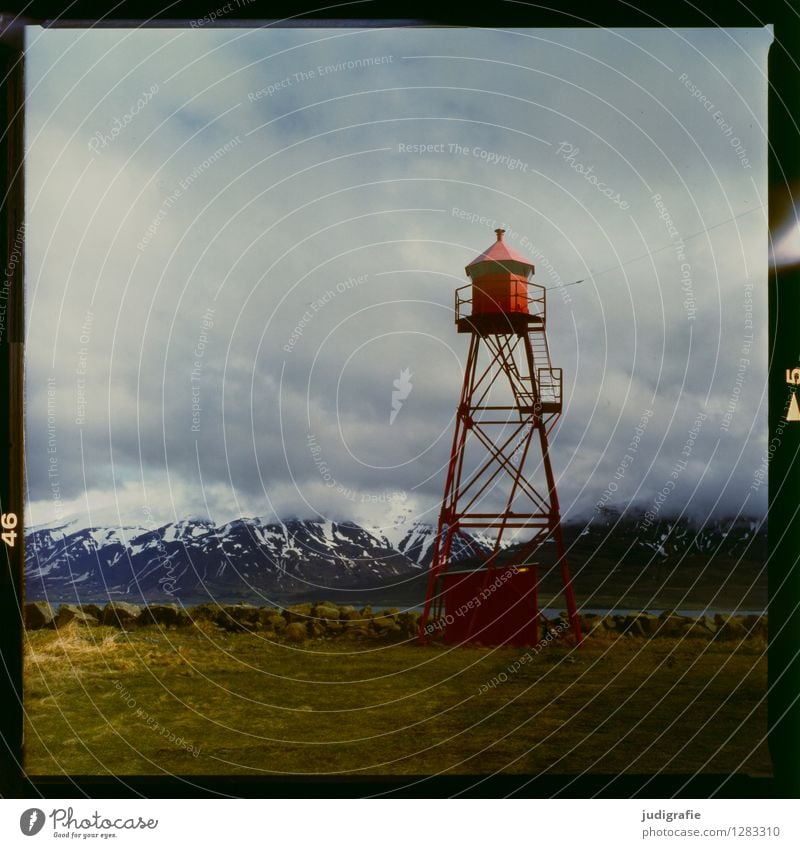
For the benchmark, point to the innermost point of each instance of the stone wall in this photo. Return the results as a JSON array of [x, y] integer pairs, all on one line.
[[300, 622]]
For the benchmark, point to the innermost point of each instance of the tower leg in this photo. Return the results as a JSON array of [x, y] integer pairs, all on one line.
[[555, 524], [524, 507], [447, 526]]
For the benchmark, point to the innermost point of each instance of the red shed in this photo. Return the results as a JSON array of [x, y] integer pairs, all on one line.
[[491, 606]]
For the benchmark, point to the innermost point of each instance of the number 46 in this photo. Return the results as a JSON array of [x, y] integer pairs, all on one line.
[[8, 521]]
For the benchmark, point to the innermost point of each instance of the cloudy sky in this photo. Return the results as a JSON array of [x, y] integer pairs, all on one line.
[[235, 248]]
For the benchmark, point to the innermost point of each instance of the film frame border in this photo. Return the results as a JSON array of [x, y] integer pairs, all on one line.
[[784, 352]]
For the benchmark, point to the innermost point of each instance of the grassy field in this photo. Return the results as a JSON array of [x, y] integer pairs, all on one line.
[[202, 701]]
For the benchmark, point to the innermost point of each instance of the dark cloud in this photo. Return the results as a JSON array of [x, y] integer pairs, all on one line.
[[280, 280]]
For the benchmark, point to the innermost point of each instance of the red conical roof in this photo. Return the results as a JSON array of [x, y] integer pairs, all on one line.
[[499, 254]]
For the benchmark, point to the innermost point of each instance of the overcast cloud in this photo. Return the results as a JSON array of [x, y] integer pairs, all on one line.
[[215, 219]]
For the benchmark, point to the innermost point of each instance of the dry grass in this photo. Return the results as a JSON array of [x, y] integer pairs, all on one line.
[[101, 700], [72, 644]]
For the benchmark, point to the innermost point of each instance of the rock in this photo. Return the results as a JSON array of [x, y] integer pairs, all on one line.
[[165, 615], [757, 626], [204, 612], [243, 613], [316, 628], [272, 619], [349, 613], [92, 609], [67, 613], [358, 628], [409, 623], [230, 625], [730, 627], [235, 618], [296, 632], [649, 623], [38, 615], [297, 613], [120, 614], [633, 626], [326, 612], [672, 626], [560, 624], [385, 626], [592, 623], [698, 628]]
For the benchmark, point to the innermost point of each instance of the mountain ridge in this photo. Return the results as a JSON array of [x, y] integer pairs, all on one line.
[[194, 558]]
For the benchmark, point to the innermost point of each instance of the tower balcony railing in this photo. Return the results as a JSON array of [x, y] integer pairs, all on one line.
[[535, 300], [550, 383]]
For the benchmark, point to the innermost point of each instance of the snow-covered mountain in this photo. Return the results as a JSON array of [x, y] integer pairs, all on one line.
[[669, 539], [193, 559], [415, 540]]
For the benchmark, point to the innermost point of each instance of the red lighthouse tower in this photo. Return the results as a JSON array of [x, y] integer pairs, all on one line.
[[500, 480]]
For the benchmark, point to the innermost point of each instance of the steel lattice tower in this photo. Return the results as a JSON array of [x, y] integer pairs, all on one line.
[[499, 478]]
